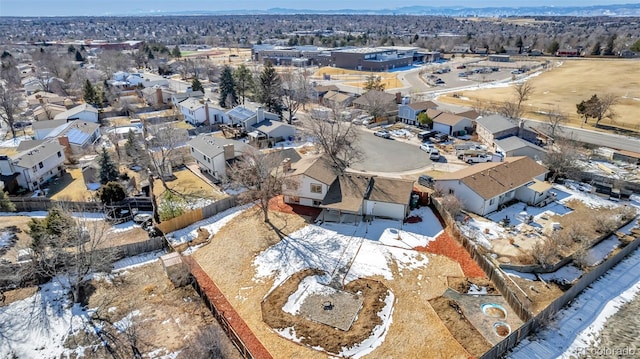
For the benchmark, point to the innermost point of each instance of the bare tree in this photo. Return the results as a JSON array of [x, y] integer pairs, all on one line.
[[562, 159], [208, 343], [513, 109], [164, 144], [603, 108], [295, 89], [378, 103], [10, 101], [523, 91], [261, 174], [336, 139], [510, 110], [59, 67], [555, 118], [69, 248]]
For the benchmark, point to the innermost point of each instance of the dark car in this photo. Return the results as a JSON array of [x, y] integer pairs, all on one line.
[[426, 181]]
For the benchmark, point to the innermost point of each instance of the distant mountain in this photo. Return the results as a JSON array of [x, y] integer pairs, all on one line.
[[593, 10]]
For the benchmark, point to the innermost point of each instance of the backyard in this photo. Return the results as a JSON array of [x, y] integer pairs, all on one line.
[[297, 263]]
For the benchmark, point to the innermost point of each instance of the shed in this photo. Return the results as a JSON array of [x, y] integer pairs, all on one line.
[[175, 269]]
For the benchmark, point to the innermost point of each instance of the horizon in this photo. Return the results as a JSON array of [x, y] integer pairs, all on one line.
[[60, 8]]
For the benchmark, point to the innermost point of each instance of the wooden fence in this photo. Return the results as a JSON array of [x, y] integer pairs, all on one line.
[[233, 325], [30, 204], [196, 215], [531, 322]]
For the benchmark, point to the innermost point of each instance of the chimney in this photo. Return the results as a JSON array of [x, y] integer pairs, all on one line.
[[286, 165], [159, 98], [229, 151], [206, 112], [398, 98], [260, 114]]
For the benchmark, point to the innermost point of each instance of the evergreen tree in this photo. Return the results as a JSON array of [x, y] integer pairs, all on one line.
[[596, 49], [5, 204], [79, 57], [108, 169], [196, 85], [112, 192], [90, 94], [269, 89], [553, 47], [176, 52], [243, 81], [228, 97]]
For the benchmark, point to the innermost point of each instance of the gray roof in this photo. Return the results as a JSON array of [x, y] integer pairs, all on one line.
[[78, 132], [76, 110], [268, 126], [514, 142], [41, 125], [213, 146], [240, 113], [37, 154], [495, 123], [25, 145]]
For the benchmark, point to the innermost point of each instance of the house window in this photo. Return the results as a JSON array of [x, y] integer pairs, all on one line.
[[34, 168], [316, 203], [492, 201], [192, 150], [208, 159], [59, 154], [40, 165], [451, 191], [316, 188]]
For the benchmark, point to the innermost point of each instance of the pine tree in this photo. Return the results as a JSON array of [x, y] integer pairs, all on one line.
[[196, 85], [90, 94], [176, 52], [270, 89], [228, 96], [5, 204], [108, 169], [243, 81], [112, 192]]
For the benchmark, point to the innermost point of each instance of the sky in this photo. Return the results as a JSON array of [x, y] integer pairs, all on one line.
[[119, 7]]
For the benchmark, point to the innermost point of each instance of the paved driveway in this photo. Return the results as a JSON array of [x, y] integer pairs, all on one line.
[[389, 155]]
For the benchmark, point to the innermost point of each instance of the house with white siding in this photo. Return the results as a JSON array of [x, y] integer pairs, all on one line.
[[308, 180], [484, 187], [199, 111], [36, 162], [213, 154], [449, 123], [408, 112]]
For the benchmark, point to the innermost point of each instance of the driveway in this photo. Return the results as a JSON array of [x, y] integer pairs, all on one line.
[[389, 155]]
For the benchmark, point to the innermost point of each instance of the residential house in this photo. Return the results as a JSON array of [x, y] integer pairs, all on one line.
[[213, 154], [514, 146], [484, 187], [377, 101], [125, 79], [337, 99], [156, 96], [450, 123], [260, 124], [490, 128], [36, 162], [408, 112], [77, 136], [42, 128], [47, 111], [178, 97], [317, 92], [31, 85], [41, 97], [308, 180], [200, 111], [84, 112], [471, 114], [352, 196]]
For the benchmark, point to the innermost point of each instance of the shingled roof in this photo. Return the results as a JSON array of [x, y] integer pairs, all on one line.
[[492, 179]]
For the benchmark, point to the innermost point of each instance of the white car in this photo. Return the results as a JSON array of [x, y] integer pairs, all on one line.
[[477, 158], [427, 147]]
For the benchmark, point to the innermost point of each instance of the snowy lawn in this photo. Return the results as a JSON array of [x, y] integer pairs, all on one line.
[[211, 224], [362, 251]]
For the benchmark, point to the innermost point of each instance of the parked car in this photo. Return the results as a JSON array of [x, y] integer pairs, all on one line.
[[461, 67], [424, 135], [470, 159], [426, 181], [434, 155], [427, 147], [383, 134], [439, 137]]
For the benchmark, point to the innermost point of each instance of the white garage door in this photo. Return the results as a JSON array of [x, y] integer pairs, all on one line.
[[387, 210], [441, 128]]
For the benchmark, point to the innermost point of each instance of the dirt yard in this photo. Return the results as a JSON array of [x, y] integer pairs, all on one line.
[[359, 78], [569, 82], [229, 257], [167, 319]]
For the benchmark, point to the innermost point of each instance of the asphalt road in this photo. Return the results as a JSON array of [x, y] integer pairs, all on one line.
[[593, 137], [389, 155]]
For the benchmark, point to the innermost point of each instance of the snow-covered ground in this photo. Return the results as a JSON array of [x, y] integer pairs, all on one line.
[[211, 224], [575, 328], [363, 250], [38, 326]]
